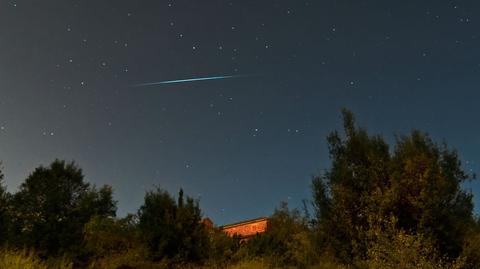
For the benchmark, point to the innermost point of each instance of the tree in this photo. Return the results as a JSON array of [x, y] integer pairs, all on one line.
[[99, 202], [53, 205], [172, 229], [426, 195], [419, 184], [287, 241], [345, 194]]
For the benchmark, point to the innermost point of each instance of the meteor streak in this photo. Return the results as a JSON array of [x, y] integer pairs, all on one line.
[[186, 80]]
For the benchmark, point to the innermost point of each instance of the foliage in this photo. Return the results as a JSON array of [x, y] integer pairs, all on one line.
[[286, 242], [426, 192], [20, 260], [99, 202], [471, 250], [222, 249], [376, 207], [4, 212], [251, 264], [133, 258], [172, 229], [52, 206], [418, 184], [29, 260], [391, 247], [107, 236]]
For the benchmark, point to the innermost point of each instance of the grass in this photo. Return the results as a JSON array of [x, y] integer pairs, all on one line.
[[14, 259], [23, 259]]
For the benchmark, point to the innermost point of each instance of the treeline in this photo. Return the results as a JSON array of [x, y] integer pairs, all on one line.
[[377, 206]]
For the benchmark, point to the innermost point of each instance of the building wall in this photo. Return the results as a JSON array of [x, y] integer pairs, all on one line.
[[247, 229]]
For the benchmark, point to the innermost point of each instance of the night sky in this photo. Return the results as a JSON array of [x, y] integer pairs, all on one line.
[[68, 71]]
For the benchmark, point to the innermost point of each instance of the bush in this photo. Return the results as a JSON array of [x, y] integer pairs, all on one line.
[[222, 248], [107, 236], [172, 229], [287, 241], [471, 252]]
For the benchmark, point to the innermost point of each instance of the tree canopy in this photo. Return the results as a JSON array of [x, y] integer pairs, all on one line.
[[172, 229], [418, 184], [52, 206]]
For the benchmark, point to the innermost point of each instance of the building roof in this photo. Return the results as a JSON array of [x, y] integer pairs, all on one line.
[[243, 223]]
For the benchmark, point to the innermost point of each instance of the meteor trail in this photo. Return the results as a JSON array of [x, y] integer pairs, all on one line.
[[186, 80]]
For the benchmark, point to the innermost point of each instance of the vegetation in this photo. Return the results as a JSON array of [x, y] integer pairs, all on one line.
[[418, 185], [377, 206], [4, 218], [52, 207]]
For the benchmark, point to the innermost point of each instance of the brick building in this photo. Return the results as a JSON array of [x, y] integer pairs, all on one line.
[[246, 229]]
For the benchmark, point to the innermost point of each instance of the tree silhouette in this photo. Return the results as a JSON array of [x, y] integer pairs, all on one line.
[[52, 206], [418, 184]]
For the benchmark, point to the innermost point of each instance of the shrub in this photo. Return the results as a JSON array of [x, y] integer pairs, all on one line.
[[470, 256], [390, 247], [107, 236], [287, 241], [172, 229], [221, 248]]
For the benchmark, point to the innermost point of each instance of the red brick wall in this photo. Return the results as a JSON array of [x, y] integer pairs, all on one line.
[[247, 229]]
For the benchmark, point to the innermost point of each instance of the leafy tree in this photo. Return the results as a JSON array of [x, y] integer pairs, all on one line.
[[157, 223], [426, 195], [99, 202], [52, 206], [419, 184], [192, 234], [345, 194], [172, 229]]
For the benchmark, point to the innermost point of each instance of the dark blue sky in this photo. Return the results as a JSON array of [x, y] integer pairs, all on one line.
[[240, 145]]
